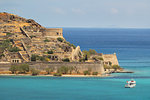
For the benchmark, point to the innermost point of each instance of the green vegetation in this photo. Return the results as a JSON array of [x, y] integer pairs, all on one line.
[[91, 51], [35, 72], [70, 44], [5, 44], [63, 70], [32, 36], [23, 68], [57, 74], [8, 34], [95, 73], [13, 69], [50, 52], [73, 46], [34, 57], [49, 70], [82, 60], [87, 54], [100, 58], [70, 70], [86, 72], [14, 49], [1, 55], [41, 58], [60, 39], [107, 67], [66, 60], [46, 40], [116, 67]]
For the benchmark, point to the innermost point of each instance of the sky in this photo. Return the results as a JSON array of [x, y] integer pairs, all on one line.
[[82, 13]]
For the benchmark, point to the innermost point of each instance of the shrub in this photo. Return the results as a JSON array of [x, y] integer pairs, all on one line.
[[13, 69], [32, 36], [35, 72], [95, 73], [41, 58], [57, 74], [60, 39], [107, 67], [86, 72], [66, 60], [116, 67], [63, 70], [100, 58], [46, 40], [5, 44], [14, 49], [23, 68], [70, 69], [47, 59], [50, 52], [34, 57], [91, 51], [8, 34], [2, 55], [49, 70], [82, 60], [73, 46]]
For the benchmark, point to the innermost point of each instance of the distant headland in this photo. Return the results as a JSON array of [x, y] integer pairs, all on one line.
[[26, 47]]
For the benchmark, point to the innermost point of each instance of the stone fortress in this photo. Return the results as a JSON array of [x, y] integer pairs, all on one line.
[[30, 38]]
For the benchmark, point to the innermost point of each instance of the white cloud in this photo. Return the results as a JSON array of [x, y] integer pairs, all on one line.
[[78, 11], [114, 11]]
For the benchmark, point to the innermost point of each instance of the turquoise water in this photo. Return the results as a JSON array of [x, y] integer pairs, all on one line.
[[133, 50]]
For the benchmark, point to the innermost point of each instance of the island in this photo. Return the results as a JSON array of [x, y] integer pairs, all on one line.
[[27, 48]]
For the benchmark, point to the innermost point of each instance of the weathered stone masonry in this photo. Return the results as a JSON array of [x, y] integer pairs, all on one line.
[[79, 66]]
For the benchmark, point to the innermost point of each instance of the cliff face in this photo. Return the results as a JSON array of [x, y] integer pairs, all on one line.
[[23, 40]]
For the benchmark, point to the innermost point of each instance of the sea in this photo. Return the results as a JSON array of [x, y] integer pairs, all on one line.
[[132, 47]]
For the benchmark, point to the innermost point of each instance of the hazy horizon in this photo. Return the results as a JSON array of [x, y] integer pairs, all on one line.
[[82, 13]]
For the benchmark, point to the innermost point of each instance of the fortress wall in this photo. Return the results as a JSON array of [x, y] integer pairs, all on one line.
[[110, 57], [54, 32], [79, 66]]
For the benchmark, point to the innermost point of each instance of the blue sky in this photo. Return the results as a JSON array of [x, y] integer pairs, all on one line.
[[82, 13]]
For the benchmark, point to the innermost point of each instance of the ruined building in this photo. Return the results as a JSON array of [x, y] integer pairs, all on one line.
[[22, 38]]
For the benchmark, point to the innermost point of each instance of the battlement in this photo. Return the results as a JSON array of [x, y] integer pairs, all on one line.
[[53, 32], [110, 58]]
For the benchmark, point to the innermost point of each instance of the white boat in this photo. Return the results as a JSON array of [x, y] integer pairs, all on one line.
[[131, 84]]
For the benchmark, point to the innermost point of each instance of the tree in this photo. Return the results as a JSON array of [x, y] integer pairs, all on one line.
[[35, 72], [116, 67], [70, 69], [95, 73], [66, 60], [63, 70], [91, 51], [23, 68], [60, 39], [14, 49], [86, 72], [50, 52], [13, 69], [57, 74], [33, 57], [49, 70]]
